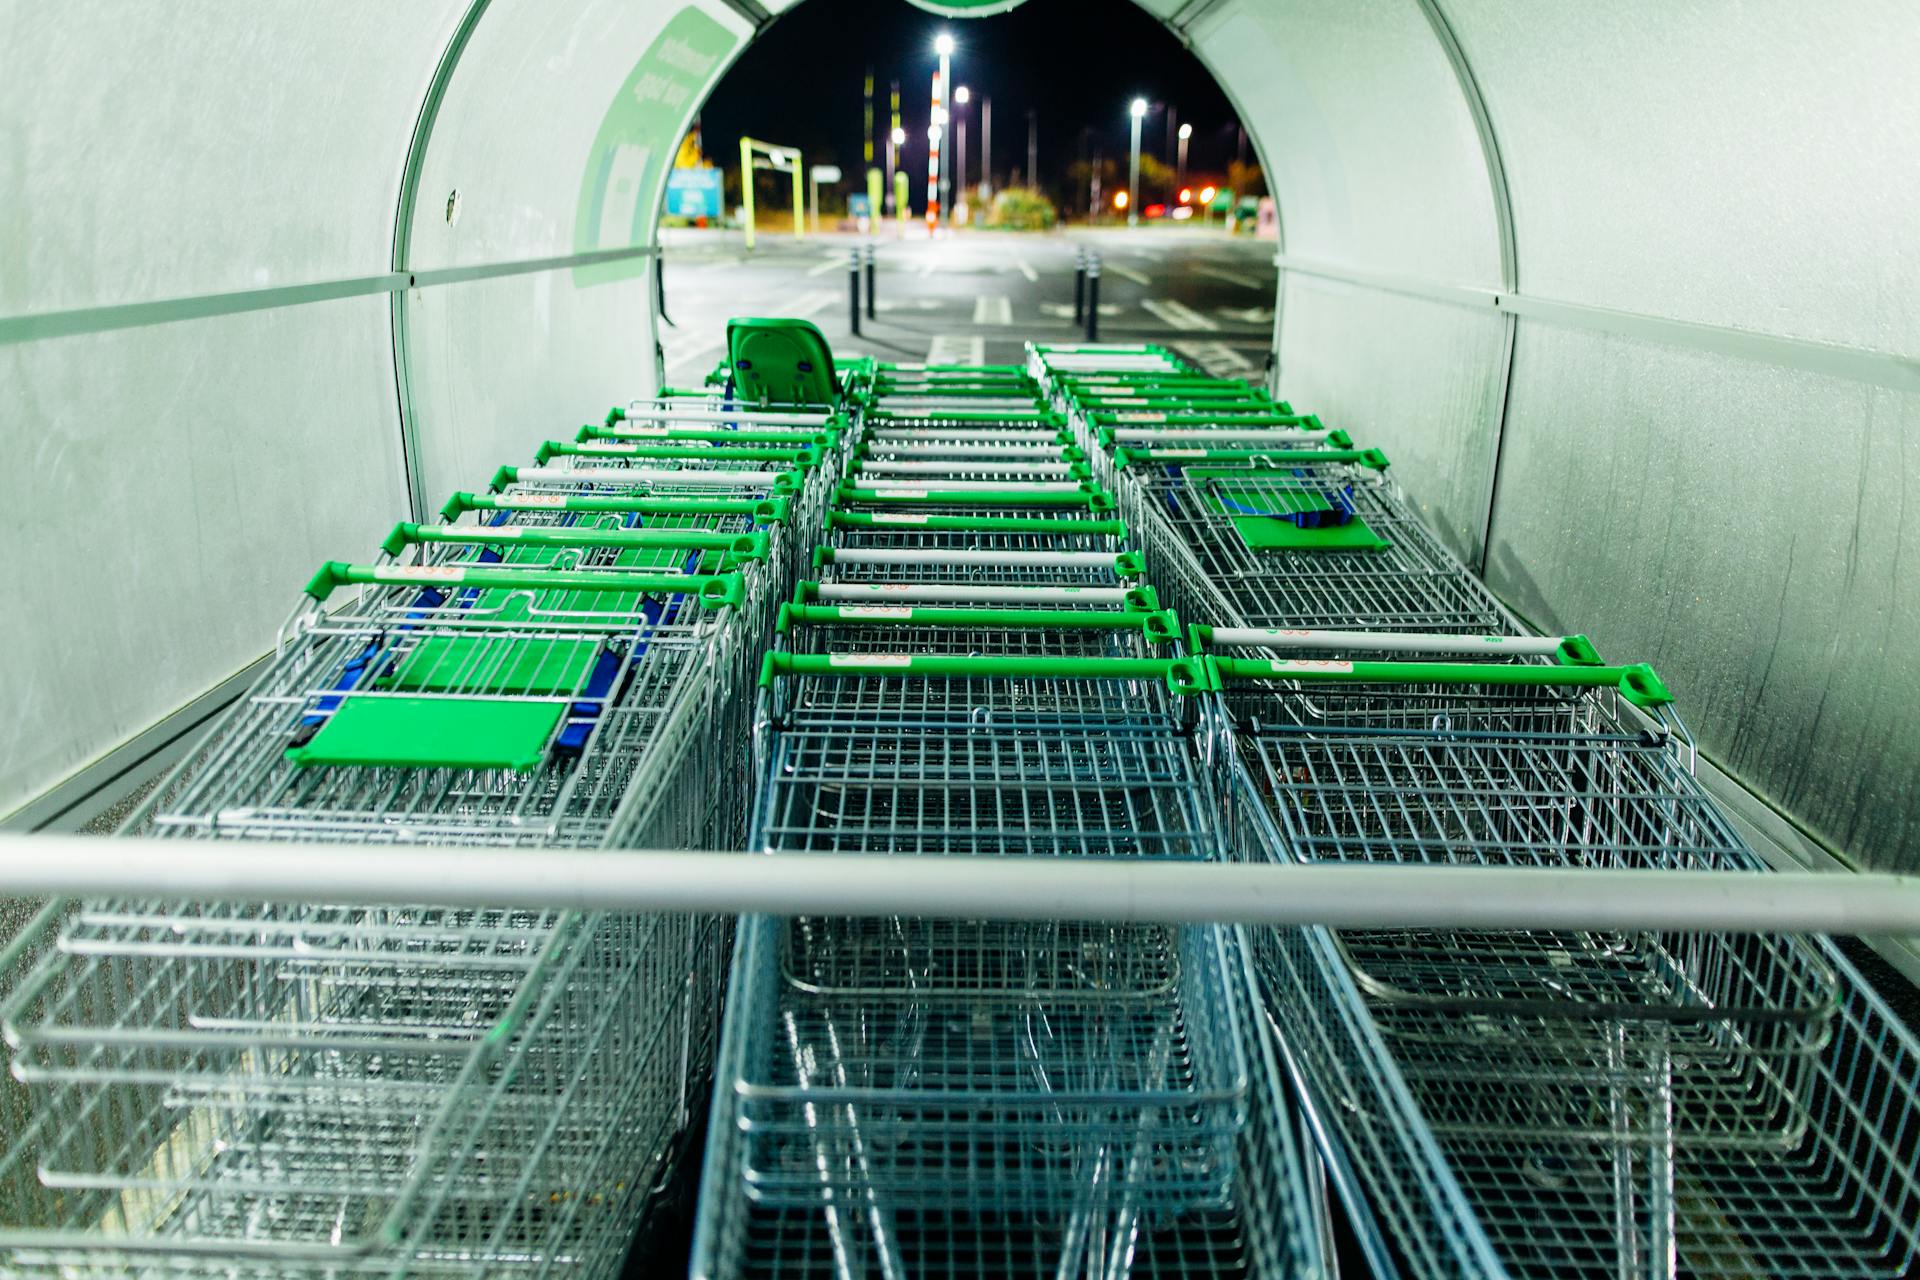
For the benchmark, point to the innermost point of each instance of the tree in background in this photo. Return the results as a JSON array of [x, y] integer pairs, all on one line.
[[1022, 209]]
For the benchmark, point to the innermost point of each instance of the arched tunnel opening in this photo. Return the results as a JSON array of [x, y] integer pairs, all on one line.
[[1039, 80], [1244, 638]]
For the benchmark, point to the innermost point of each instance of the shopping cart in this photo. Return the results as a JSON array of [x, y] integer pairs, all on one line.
[[304, 1090], [904, 1096], [1557, 1103], [800, 492], [499, 701], [1047, 360], [1315, 538]]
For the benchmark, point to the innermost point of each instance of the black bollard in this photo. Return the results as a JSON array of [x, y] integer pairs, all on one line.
[[1079, 286], [1093, 299], [870, 282], [853, 285]]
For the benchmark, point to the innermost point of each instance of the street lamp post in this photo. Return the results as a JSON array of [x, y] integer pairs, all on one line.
[[1138, 111], [986, 148], [961, 97], [1186, 131], [895, 140], [936, 130]]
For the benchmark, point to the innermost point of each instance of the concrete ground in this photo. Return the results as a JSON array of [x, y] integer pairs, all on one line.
[[977, 295]]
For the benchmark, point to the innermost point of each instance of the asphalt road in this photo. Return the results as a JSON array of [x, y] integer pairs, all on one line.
[[978, 295]]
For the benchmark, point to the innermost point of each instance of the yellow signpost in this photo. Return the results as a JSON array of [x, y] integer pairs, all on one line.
[[779, 159]]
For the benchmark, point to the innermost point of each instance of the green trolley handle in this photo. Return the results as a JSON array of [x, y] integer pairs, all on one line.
[[795, 439], [803, 457], [762, 510], [933, 523], [1373, 459], [1159, 627], [1182, 675], [741, 546], [1637, 682], [712, 589]]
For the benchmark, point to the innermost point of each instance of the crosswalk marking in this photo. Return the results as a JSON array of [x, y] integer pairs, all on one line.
[[1125, 273], [1026, 269], [1242, 279], [828, 264], [1177, 314], [951, 349], [990, 309], [1216, 358]]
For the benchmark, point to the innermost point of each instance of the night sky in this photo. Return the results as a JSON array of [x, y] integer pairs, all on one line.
[[1076, 62]]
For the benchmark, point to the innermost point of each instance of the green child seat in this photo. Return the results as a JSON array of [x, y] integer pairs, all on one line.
[[780, 360]]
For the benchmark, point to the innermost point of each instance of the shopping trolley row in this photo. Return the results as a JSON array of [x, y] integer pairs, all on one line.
[[978, 667], [566, 659], [1512, 1103]]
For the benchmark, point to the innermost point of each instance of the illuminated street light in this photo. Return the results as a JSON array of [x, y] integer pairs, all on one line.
[[938, 180], [963, 95], [1120, 200]]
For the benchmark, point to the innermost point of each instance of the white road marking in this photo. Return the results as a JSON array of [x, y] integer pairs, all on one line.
[[1247, 315], [1216, 358], [1125, 273], [1026, 269], [1065, 312], [1242, 279], [812, 301], [949, 349], [1178, 314], [825, 265], [989, 309]]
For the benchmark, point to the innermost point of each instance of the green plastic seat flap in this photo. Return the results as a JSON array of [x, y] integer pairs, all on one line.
[[780, 360], [1263, 533], [449, 733]]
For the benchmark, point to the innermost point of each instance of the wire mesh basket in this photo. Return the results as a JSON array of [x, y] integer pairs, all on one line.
[[1535, 1028], [1259, 1221], [1497, 1169], [860, 755], [1309, 544], [308, 1090], [1569, 1103], [989, 1095]]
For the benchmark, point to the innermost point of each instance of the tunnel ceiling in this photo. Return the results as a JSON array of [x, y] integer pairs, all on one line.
[[1632, 290]]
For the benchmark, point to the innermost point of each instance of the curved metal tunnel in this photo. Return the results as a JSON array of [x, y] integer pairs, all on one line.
[[1630, 290]]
